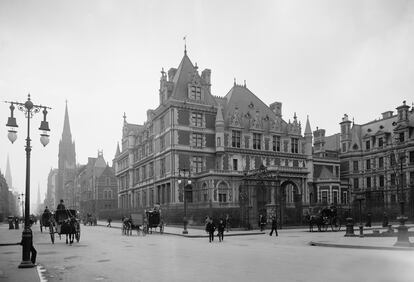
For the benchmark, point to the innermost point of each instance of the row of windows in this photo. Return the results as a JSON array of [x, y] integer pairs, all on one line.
[[371, 163], [325, 197], [257, 142], [374, 182], [147, 171]]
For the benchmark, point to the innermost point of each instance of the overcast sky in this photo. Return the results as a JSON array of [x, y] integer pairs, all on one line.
[[319, 58]]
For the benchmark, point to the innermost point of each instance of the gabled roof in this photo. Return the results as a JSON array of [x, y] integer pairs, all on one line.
[[323, 173]]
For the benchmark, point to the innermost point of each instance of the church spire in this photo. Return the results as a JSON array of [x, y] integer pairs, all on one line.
[[308, 130], [66, 134], [8, 174]]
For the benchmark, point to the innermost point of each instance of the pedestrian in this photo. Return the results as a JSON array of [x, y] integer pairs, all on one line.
[[369, 219], [220, 228], [32, 248], [274, 226], [228, 223], [61, 205], [109, 221], [262, 222], [16, 223], [210, 229], [385, 220]]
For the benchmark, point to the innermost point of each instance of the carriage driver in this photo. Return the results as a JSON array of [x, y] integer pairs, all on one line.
[[46, 210], [61, 206]]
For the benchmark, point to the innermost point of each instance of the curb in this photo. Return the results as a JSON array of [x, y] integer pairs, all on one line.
[[196, 236], [332, 245]]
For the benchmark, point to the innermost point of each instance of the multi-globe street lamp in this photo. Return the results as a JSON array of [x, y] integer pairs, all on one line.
[[29, 109], [185, 178]]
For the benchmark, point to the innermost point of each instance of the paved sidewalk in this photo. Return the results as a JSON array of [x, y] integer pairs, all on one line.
[[11, 256], [369, 241], [193, 232]]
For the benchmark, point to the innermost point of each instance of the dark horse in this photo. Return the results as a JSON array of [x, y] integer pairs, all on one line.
[[69, 227], [126, 226]]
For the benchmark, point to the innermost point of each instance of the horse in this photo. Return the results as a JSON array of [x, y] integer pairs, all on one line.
[[69, 229], [126, 226]]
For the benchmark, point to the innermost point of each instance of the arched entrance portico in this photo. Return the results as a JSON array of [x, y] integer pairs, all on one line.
[[271, 193], [290, 202]]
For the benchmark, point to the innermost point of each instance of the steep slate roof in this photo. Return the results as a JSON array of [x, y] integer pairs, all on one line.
[[183, 77], [332, 142], [241, 97], [356, 136]]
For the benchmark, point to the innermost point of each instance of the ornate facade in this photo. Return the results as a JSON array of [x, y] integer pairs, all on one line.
[[229, 144], [377, 159], [96, 191]]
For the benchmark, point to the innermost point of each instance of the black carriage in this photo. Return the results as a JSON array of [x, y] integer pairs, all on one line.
[[154, 220], [67, 223], [325, 218], [47, 221], [143, 223]]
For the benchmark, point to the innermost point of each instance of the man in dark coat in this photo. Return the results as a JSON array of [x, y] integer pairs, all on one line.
[[210, 229], [61, 206], [221, 226], [274, 226]]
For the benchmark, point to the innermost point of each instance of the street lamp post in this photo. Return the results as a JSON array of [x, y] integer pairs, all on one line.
[[22, 202], [29, 110], [186, 181], [402, 236]]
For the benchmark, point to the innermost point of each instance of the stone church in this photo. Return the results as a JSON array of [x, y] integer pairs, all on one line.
[[199, 154]]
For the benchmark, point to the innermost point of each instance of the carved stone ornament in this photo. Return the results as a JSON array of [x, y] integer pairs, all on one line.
[[256, 124], [235, 118]]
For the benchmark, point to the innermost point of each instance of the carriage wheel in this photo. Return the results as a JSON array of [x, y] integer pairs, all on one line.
[[52, 233], [336, 225]]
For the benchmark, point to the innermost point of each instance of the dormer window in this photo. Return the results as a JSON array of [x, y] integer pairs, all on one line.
[[195, 92]]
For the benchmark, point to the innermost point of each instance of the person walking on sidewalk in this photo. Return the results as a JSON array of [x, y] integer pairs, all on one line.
[[228, 227], [109, 221], [221, 226], [274, 226], [210, 229]]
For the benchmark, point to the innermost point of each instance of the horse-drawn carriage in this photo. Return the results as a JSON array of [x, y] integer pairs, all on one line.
[[62, 222], [143, 223], [324, 218]]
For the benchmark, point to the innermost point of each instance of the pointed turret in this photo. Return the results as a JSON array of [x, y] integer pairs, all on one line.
[[8, 175], [308, 130], [219, 130], [308, 138], [66, 134], [118, 151]]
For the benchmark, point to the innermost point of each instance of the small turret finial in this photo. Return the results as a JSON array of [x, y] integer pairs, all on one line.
[[185, 44], [234, 81], [124, 116]]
